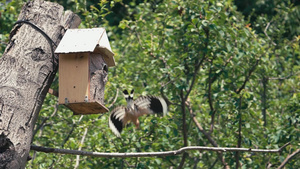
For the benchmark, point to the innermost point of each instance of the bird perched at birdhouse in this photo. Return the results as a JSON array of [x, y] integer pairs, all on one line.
[[122, 115]]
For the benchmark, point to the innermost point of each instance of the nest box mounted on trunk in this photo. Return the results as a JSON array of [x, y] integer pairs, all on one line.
[[84, 58]]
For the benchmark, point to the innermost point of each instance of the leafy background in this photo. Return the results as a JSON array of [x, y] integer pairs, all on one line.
[[233, 66]]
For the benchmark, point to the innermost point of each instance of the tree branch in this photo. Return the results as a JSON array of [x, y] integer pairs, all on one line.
[[164, 96], [209, 89], [184, 98], [53, 92], [184, 129], [44, 121], [264, 99], [183, 118], [265, 31], [198, 65], [155, 154], [71, 131], [222, 70], [207, 135], [210, 101], [288, 158], [281, 148], [212, 166], [115, 99], [248, 76], [80, 147], [182, 160], [239, 142], [281, 78]]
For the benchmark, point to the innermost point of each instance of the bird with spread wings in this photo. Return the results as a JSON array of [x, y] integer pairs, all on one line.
[[121, 115]]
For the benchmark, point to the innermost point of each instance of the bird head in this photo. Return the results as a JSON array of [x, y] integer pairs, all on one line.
[[129, 98]]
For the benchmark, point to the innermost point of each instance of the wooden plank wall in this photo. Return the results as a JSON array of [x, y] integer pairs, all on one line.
[[73, 77]]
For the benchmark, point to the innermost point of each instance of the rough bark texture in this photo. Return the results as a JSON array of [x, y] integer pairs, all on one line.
[[26, 73], [98, 70]]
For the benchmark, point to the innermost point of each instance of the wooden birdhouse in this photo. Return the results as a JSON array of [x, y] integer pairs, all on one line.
[[84, 58]]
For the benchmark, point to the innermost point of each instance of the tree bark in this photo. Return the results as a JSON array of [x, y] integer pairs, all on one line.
[[26, 73]]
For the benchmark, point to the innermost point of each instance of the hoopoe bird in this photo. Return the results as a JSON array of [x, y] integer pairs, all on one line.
[[121, 115]]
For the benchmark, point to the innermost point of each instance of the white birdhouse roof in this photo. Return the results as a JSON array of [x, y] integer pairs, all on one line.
[[87, 40]]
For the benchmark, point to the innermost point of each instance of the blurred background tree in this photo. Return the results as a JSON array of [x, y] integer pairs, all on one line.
[[231, 66]]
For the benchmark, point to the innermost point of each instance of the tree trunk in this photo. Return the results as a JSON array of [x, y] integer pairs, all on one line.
[[26, 73]]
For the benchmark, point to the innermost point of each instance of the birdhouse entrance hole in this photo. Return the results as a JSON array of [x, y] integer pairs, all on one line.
[[84, 55]]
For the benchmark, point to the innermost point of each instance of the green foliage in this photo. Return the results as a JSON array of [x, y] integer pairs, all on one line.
[[242, 68], [8, 15]]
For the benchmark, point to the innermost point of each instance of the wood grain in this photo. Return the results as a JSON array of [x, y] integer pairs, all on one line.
[[73, 77]]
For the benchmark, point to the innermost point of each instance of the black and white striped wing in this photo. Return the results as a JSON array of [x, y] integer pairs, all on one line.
[[150, 105], [116, 122]]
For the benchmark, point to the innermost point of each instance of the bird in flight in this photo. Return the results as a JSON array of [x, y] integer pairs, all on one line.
[[122, 115]]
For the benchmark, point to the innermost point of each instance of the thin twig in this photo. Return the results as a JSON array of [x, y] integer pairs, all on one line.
[[182, 160], [129, 166], [164, 96], [222, 70], [196, 161], [288, 158], [210, 101], [281, 78], [183, 118], [80, 146], [248, 76], [239, 141], [138, 37], [198, 65], [71, 131], [281, 148], [44, 121], [154, 154], [212, 166], [114, 101], [265, 31], [207, 135]]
